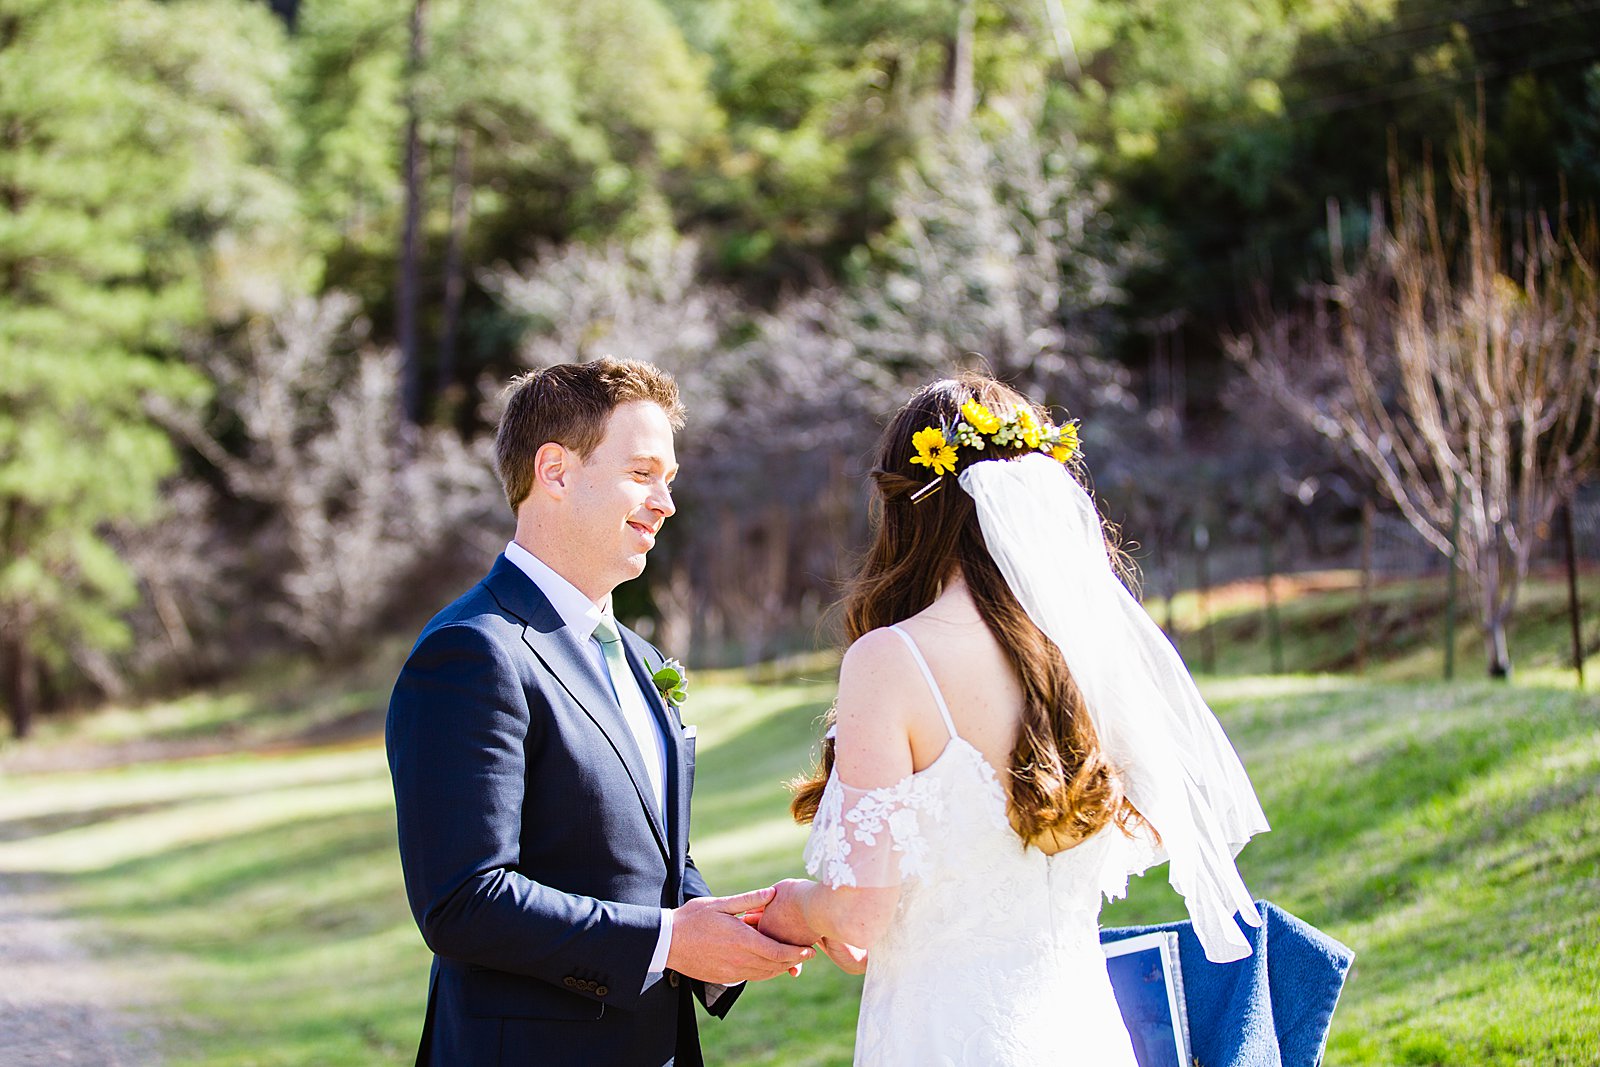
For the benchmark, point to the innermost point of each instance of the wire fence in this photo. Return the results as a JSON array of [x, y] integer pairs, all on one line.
[[1398, 551], [1212, 596]]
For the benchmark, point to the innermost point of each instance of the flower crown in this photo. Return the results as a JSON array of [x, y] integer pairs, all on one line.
[[977, 429]]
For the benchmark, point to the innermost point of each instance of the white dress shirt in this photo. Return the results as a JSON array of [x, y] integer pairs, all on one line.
[[581, 615]]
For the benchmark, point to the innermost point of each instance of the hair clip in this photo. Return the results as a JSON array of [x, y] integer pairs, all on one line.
[[928, 490]]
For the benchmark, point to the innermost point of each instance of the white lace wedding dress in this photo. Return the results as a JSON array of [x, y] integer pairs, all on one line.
[[993, 957]]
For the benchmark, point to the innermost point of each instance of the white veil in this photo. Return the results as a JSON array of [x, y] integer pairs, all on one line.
[[1177, 766]]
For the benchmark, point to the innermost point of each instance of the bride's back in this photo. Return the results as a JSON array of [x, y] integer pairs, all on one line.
[[990, 942], [976, 677]]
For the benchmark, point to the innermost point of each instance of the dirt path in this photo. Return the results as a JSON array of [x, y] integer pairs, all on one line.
[[58, 1005]]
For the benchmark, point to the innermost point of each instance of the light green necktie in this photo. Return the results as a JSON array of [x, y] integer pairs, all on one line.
[[640, 721]]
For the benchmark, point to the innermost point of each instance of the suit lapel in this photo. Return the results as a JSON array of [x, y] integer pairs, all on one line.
[[671, 727], [558, 648]]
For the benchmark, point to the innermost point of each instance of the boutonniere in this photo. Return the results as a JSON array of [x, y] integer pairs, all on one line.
[[672, 681]]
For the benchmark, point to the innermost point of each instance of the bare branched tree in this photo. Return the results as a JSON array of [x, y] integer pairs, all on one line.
[[190, 574], [1459, 359], [354, 499]]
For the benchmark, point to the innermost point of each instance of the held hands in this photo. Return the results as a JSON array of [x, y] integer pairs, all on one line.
[[785, 920], [714, 942]]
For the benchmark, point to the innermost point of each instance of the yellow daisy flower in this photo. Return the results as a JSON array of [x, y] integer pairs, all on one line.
[[1028, 428], [979, 417], [1066, 445], [933, 451]]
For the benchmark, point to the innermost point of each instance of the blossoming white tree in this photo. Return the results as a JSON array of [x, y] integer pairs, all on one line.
[[352, 497]]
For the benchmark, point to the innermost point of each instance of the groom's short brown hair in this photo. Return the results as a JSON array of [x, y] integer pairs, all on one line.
[[570, 404]]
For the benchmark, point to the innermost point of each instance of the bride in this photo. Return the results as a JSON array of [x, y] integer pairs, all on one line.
[[1012, 739]]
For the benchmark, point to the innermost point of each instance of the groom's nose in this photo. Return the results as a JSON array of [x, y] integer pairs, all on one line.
[[660, 501]]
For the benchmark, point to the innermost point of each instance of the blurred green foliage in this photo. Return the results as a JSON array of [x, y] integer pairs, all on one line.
[[139, 198]]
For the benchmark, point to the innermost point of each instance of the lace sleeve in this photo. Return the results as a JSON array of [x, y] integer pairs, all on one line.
[[871, 837]]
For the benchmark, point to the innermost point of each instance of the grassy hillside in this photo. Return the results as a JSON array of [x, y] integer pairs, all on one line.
[[1449, 834]]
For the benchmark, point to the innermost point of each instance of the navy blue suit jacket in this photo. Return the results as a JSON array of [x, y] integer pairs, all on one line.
[[534, 862]]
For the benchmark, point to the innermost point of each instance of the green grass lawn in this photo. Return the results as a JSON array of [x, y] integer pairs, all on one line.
[[1450, 834]]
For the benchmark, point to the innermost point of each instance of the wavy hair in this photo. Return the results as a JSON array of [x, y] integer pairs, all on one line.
[[1061, 788]]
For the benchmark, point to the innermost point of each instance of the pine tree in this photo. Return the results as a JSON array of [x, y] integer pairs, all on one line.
[[123, 137]]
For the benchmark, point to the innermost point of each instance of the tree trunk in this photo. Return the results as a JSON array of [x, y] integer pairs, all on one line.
[[455, 280], [958, 90], [22, 682], [1065, 49], [1497, 598], [407, 297], [1494, 640], [1451, 583]]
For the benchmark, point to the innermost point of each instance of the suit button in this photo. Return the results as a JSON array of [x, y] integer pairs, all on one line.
[[672, 979], [600, 990], [570, 982]]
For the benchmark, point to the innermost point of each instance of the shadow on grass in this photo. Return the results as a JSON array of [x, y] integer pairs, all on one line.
[[286, 877], [32, 826]]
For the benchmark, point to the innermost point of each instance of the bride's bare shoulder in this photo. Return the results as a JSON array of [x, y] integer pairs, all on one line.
[[872, 712], [872, 679], [874, 658]]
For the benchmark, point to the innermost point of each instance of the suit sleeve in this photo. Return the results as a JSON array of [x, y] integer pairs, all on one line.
[[457, 724], [693, 884]]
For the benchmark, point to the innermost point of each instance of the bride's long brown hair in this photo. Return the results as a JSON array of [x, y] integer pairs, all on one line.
[[1061, 787]]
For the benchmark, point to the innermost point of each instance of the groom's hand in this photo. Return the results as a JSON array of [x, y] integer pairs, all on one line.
[[711, 942]]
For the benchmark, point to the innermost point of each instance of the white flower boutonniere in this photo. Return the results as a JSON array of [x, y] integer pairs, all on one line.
[[672, 681]]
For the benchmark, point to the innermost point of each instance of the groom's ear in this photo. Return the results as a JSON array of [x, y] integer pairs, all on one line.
[[552, 469]]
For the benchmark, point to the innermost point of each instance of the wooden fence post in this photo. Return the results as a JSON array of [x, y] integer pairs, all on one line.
[[1572, 589], [1172, 592], [1208, 639], [1274, 630], [1364, 611]]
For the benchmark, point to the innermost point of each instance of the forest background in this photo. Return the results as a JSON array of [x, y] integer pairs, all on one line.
[[266, 266]]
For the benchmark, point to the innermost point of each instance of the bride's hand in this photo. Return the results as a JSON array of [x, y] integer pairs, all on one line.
[[783, 918], [846, 957]]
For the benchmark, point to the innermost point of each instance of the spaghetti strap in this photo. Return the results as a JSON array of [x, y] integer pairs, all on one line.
[[938, 697]]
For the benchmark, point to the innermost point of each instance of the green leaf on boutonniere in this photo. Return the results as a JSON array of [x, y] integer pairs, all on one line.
[[672, 681]]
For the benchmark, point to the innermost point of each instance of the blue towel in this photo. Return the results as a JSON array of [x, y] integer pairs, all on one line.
[[1271, 1009]]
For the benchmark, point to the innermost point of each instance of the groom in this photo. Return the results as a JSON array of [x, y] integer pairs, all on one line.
[[542, 785]]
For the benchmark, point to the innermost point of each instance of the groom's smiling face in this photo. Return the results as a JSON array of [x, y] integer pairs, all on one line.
[[619, 497]]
